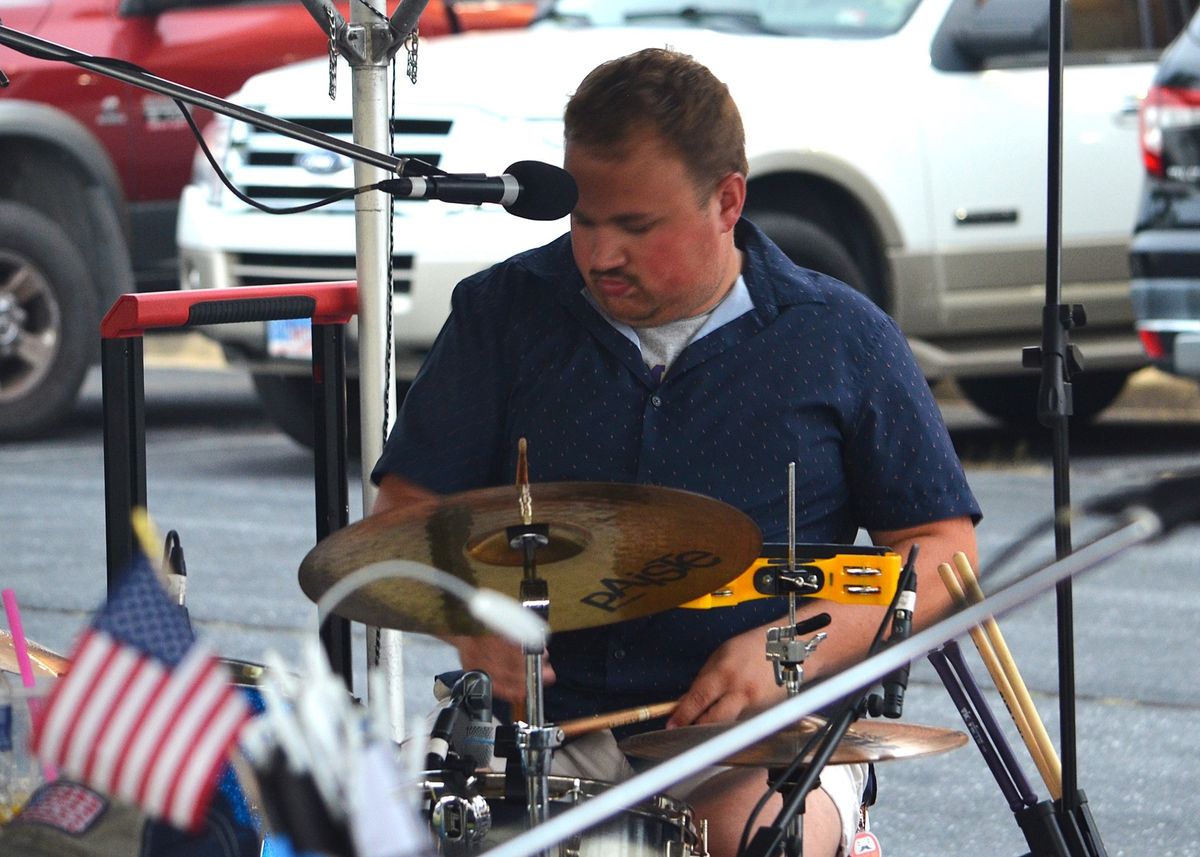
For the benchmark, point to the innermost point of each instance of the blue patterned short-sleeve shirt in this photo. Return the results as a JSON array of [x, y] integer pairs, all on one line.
[[813, 373]]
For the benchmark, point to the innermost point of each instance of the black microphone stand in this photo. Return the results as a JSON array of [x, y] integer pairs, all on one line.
[[1057, 359], [768, 839]]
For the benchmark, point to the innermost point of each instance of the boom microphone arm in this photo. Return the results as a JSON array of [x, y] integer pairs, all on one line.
[[132, 74]]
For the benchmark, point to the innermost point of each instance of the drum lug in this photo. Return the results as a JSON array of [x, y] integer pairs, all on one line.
[[461, 818], [681, 849]]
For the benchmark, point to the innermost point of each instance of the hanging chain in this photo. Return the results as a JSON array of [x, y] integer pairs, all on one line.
[[333, 53], [410, 45]]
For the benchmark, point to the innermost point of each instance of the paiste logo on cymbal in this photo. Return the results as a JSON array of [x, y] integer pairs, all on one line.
[[619, 592]]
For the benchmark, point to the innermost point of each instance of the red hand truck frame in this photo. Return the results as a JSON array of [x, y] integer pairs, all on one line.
[[329, 305]]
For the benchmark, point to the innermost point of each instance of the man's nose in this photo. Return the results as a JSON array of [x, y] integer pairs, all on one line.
[[608, 250]]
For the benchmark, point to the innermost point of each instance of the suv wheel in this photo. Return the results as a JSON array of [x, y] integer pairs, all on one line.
[[48, 322], [1012, 399], [811, 245], [288, 400]]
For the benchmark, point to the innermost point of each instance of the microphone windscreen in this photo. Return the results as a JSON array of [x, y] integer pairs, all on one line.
[[479, 742], [547, 192]]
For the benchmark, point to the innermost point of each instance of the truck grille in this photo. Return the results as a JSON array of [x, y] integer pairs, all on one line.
[[268, 269], [282, 171]]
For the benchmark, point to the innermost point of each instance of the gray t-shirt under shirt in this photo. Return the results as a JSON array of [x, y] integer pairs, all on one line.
[[660, 345]]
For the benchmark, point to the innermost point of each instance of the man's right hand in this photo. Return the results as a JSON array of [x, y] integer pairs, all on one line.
[[503, 661]]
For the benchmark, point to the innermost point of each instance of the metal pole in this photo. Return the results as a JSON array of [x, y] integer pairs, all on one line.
[[370, 43]]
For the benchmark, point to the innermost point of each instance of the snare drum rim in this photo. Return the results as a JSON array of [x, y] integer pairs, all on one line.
[[658, 807]]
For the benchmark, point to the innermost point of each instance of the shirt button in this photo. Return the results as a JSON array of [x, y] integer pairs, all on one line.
[[618, 654], [656, 400]]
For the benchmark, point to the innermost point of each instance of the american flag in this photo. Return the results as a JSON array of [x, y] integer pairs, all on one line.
[[144, 713]]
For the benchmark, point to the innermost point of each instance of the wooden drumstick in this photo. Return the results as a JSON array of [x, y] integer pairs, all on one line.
[[1000, 680], [975, 594], [624, 717]]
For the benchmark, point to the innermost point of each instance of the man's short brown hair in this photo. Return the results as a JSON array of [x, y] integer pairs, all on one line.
[[670, 95]]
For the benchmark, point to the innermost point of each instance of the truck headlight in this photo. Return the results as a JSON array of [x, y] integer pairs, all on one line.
[[225, 139]]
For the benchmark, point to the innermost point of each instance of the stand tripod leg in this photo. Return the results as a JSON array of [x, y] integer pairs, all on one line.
[[1039, 824], [1082, 834]]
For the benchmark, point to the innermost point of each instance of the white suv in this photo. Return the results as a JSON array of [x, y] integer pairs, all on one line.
[[897, 144]]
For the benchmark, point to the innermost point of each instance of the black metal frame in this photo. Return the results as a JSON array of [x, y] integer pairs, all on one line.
[[328, 305]]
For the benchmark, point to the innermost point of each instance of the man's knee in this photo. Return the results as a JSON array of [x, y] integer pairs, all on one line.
[[727, 800]]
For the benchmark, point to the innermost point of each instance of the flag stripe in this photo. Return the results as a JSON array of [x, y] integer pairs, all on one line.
[[68, 695], [196, 782], [115, 673], [116, 740], [158, 676], [95, 679], [154, 730], [202, 693]]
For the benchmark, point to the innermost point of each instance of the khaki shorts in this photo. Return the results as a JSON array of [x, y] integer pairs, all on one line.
[[596, 756]]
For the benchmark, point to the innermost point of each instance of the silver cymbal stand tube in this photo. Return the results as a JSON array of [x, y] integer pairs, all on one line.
[[369, 42], [1140, 526]]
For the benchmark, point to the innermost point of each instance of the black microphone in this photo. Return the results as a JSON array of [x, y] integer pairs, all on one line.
[[896, 682], [529, 189], [480, 739], [441, 737], [463, 730]]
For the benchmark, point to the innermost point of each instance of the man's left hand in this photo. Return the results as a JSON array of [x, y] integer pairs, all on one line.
[[736, 676]]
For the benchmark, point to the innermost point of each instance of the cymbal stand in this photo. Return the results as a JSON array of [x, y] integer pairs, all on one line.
[[786, 650], [535, 739]]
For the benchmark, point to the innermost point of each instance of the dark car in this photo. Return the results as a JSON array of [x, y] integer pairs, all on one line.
[[1165, 251]]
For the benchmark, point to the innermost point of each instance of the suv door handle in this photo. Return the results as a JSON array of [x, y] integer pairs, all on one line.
[[1130, 105]]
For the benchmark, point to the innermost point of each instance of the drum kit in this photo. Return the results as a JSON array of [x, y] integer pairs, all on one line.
[[583, 555]]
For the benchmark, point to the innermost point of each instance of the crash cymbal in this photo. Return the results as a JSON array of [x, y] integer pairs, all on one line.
[[865, 741], [43, 661], [616, 551]]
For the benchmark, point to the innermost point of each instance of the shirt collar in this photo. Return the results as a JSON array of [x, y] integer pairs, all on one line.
[[734, 305]]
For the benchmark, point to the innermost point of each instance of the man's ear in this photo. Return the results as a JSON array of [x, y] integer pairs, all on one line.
[[731, 199]]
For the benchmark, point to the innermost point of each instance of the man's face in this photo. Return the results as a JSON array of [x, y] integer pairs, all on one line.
[[650, 249]]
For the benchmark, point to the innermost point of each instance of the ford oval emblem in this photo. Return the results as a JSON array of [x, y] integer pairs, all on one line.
[[321, 163]]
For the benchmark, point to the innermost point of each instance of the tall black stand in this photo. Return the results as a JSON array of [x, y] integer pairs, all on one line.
[[1057, 359]]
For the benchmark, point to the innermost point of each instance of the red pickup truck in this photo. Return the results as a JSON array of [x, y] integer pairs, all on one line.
[[91, 169]]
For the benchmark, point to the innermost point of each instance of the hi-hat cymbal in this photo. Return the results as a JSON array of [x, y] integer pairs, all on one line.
[[43, 661], [616, 551], [865, 741]]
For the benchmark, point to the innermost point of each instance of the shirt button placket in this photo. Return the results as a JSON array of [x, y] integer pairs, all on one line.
[[651, 418]]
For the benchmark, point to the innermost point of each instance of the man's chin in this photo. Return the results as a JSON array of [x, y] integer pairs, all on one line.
[[623, 309]]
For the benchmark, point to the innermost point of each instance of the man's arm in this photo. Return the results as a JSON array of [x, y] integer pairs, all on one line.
[[397, 493], [738, 676]]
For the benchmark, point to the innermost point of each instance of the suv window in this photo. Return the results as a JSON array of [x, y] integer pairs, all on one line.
[[1103, 25], [836, 18], [1015, 33]]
